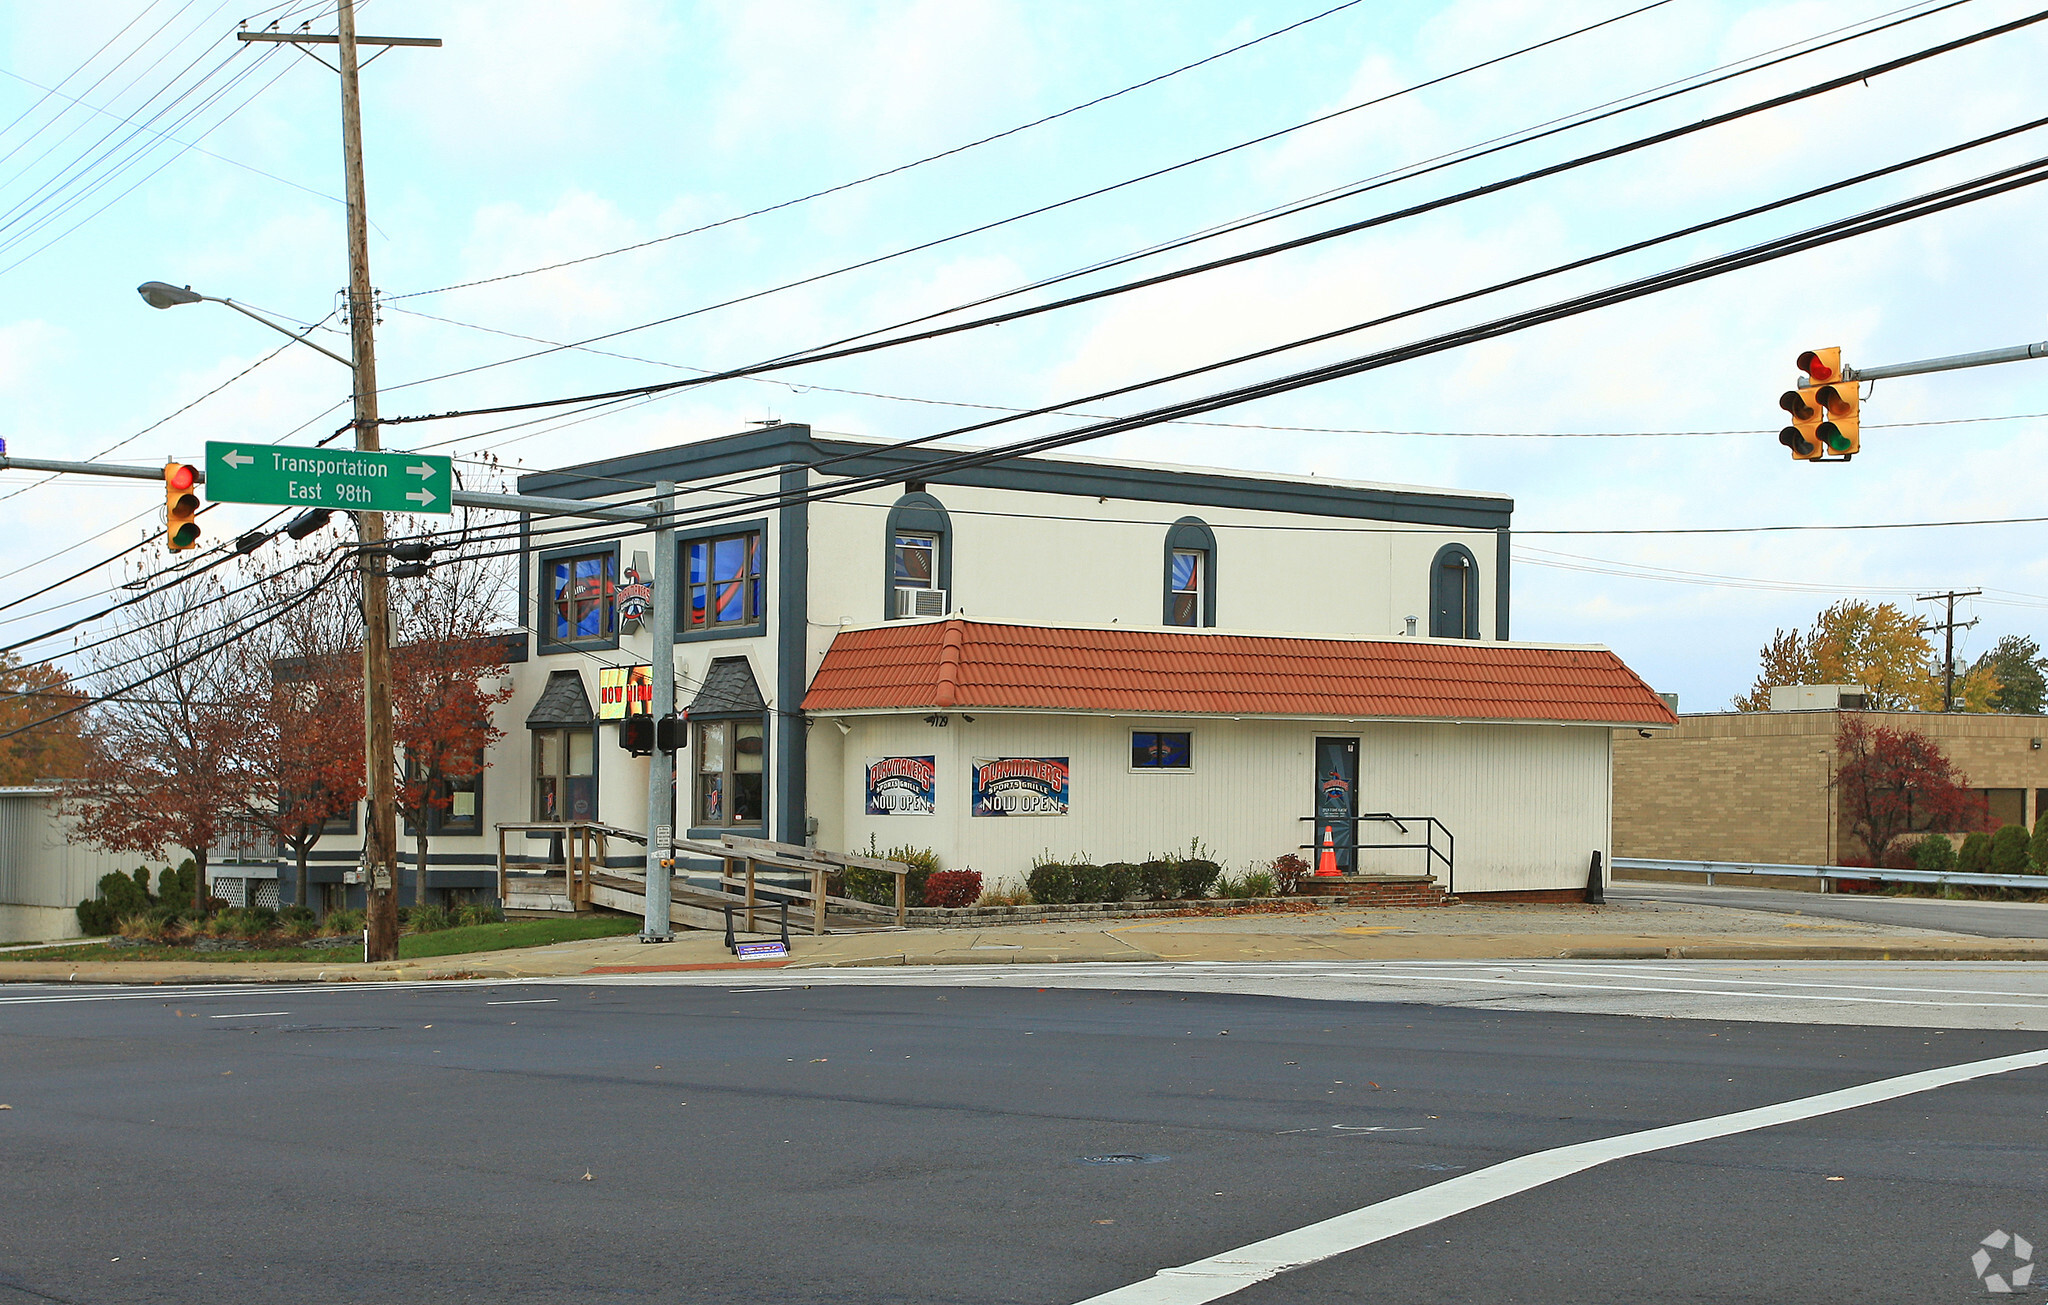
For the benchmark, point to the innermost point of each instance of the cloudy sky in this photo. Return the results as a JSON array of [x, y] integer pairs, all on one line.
[[142, 142]]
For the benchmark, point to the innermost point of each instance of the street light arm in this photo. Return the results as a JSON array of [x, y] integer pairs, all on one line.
[[282, 330]]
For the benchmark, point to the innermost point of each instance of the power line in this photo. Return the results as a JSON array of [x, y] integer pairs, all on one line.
[[973, 144], [832, 352], [1384, 179]]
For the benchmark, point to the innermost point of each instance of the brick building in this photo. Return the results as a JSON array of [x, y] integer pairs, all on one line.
[[1757, 786]]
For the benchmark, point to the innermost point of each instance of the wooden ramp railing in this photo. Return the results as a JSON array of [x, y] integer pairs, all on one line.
[[582, 845]]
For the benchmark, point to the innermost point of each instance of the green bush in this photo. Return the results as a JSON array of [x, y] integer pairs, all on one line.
[[1051, 884], [1122, 879], [1160, 880], [178, 885], [2009, 850], [2037, 846], [1198, 876], [291, 915], [96, 919], [1935, 852], [1089, 883], [426, 919], [1258, 883], [341, 922], [118, 896], [481, 913], [1975, 856]]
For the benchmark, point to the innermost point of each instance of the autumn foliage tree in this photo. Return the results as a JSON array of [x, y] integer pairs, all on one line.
[[1879, 646], [1898, 782], [448, 679], [165, 761], [40, 728]]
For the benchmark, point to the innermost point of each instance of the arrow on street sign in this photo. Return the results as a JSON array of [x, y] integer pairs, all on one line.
[[343, 479]]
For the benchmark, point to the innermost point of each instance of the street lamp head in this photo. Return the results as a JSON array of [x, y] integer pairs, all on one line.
[[162, 294]]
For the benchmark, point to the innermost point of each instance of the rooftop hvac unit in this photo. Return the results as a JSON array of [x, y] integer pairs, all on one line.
[[920, 602]]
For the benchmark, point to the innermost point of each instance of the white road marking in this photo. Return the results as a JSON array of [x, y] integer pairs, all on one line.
[[1694, 992], [1672, 975], [1232, 1271], [241, 990], [248, 1014], [524, 1001]]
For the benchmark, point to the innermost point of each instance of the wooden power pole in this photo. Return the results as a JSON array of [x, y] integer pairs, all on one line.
[[380, 834], [1948, 630]]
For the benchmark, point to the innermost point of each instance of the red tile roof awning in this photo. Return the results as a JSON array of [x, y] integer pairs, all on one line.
[[964, 665]]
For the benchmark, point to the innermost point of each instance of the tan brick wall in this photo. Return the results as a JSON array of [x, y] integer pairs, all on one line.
[[1752, 786]]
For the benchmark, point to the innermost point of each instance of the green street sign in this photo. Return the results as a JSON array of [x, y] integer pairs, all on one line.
[[341, 479]]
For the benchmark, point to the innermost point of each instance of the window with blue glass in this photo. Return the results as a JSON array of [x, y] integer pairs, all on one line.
[[582, 590], [722, 581], [1185, 587], [1162, 750]]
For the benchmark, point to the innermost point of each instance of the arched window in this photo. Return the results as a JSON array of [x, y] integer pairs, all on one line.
[[1190, 578], [1454, 594], [917, 571]]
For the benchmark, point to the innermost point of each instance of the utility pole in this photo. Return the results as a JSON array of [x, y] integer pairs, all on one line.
[[1948, 641], [380, 835], [661, 763]]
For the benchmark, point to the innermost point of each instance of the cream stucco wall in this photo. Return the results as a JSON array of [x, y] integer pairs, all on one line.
[[1527, 804]]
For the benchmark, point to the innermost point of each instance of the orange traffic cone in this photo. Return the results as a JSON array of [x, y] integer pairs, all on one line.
[[1326, 860]]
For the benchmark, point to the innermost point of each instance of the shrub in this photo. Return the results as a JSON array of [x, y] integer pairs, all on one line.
[[1004, 897], [2037, 846], [1198, 876], [1159, 880], [1899, 856], [178, 885], [1090, 883], [1934, 852], [1256, 883], [952, 888], [879, 886], [480, 913], [1288, 872], [427, 919], [1120, 881], [341, 922], [96, 919], [293, 914], [1975, 856], [1051, 885], [1229, 888], [2009, 850]]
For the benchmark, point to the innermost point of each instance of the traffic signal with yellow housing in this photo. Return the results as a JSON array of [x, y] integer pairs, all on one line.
[[1823, 409], [181, 504]]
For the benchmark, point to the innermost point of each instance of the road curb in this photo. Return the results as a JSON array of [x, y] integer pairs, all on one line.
[[1842, 952]]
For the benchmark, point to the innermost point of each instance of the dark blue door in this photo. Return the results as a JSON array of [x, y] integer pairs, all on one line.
[[1336, 802]]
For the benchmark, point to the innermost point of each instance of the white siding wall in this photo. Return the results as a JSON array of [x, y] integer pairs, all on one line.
[[1528, 805], [45, 869]]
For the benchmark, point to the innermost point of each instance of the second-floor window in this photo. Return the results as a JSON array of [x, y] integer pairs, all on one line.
[[723, 578], [1185, 582], [581, 592], [915, 559]]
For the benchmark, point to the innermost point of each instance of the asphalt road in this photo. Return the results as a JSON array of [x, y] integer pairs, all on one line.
[[927, 1142], [1978, 919]]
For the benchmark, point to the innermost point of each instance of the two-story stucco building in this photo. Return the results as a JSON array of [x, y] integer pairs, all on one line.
[[1052, 654]]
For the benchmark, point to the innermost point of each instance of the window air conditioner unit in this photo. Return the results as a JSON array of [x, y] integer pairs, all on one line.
[[920, 602]]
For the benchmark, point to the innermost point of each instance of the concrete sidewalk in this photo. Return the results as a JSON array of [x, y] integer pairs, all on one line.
[[1466, 932]]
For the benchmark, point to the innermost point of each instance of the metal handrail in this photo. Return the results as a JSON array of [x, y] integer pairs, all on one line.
[[1829, 873], [1431, 854]]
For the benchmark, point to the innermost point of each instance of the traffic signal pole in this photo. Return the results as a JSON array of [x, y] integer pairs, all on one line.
[[2017, 353]]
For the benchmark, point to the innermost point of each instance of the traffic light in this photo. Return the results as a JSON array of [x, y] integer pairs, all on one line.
[[1843, 405], [181, 504], [673, 733], [1824, 409]]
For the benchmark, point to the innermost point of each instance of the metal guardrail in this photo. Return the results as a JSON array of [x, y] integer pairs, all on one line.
[[1829, 873]]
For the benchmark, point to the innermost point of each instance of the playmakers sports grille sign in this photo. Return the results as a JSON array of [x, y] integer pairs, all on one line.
[[902, 786], [1020, 786]]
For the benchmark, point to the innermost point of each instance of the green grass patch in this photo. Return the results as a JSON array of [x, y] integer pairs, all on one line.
[[412, 946]]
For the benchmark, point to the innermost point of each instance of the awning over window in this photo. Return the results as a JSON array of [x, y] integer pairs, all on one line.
[[562, 704], [729, 690]]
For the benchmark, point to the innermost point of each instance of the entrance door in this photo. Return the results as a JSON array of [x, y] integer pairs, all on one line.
[[1337, 802]]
